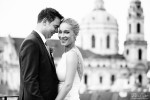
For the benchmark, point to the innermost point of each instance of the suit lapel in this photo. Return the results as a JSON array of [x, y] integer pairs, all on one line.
[[49, 54], [44, 47]]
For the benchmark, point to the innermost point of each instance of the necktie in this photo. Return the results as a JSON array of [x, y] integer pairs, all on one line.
[[49, 50]]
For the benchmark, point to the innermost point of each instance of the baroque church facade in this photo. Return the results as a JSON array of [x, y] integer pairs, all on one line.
[[108, 70], [105, 68]]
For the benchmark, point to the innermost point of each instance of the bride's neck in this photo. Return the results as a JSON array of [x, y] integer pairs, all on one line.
[[69, 47]]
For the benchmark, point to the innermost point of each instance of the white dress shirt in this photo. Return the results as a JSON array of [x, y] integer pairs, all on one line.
[[42, 36]]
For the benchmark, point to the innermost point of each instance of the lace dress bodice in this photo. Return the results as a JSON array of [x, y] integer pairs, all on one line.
[[61, 72]]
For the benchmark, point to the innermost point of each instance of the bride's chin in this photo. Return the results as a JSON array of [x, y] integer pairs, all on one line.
[[63, 44]]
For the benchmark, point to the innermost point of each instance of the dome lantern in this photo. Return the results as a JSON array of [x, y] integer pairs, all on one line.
[[99, 5]]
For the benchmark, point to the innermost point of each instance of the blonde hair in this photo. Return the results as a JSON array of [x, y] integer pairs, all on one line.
[[74, 24]]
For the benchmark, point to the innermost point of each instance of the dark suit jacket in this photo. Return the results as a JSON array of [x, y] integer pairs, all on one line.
[[38, 79]]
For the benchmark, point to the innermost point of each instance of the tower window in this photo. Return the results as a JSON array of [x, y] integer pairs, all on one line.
[[140, 54], [138, 14], [108, 41], [140, 80], [138, 6], [138, 28], [85, 79], [93, 41], [129, 28]]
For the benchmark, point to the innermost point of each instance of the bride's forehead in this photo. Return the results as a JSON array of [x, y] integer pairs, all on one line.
[[65, 26]]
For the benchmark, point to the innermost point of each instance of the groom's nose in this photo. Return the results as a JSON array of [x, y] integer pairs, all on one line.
[[56, 30]]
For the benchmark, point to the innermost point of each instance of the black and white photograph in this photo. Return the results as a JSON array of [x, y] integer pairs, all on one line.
[[74, 50]]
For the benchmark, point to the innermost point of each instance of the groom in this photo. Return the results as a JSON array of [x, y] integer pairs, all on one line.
[[38, 79]]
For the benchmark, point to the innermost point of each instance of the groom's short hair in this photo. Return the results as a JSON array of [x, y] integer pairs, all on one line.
[[50, 14]]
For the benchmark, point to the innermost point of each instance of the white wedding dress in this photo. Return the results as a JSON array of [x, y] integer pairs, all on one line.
[[61, 72]]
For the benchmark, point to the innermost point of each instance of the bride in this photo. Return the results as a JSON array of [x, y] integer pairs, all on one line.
[[70, 67]]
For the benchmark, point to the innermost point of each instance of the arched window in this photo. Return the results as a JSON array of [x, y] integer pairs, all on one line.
[[104, 66], [129, 28], [93, 41], [108, 41], [140, 54], [138, 28], [85, 79], [140, 79], [89, 65], [100, 79], [112, 79], [127, 51]]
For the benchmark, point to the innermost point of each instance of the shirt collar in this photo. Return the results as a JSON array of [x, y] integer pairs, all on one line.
[[41, 35]]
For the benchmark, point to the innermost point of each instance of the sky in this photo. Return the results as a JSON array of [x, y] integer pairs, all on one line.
[[18, 17]]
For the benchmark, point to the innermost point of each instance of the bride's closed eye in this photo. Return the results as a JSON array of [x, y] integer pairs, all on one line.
[[66, 31]]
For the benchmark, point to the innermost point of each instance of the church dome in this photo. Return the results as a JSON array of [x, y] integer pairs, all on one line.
[[99, 16], [99, 31]]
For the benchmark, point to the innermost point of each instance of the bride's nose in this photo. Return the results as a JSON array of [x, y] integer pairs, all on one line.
[[62, 35]]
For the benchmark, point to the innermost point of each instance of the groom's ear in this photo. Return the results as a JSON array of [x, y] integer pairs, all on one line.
[[44, 21]]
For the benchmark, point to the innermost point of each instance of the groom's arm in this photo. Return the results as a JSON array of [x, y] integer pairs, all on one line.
[[29, 69]]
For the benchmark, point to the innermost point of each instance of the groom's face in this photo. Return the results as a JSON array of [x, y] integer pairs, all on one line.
[[51, 27]]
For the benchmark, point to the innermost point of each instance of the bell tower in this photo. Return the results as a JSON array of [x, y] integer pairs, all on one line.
[[135, 46]]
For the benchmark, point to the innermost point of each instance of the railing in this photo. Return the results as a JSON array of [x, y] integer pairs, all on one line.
[[8, 97]]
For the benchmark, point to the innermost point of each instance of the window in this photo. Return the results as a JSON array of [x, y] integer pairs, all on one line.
[[89, 65], [1, 51], [93, 41], [85, 79], [138, 6], [112, 79], [104, 66], [108, 18], [140, 54], [129, 28], [93, 18], [129, 15], [127, 51], [108, 41], [121, 66], [138, 28], [138, 14], [140, 80], [100, 79]]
